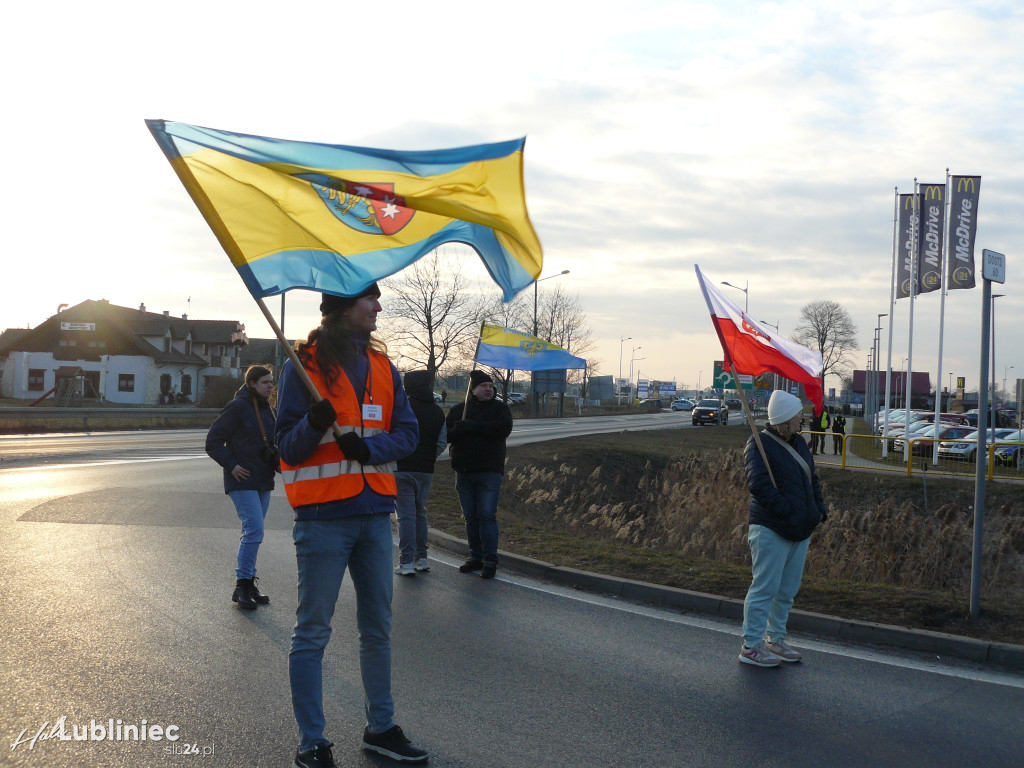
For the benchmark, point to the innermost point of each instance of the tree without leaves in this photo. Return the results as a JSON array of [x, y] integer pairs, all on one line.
[[432, 318], [826, 326]]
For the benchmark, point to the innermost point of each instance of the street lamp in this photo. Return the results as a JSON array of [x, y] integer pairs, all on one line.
[[877, 347], [1008, 368], [746, 294], [624, 338], [533, 374], [632, 359], [698, 383]]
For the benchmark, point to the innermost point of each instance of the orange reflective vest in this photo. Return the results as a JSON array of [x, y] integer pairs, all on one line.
[[327, 475]]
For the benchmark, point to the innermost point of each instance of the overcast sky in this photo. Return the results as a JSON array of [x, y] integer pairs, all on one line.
[[762, 141]]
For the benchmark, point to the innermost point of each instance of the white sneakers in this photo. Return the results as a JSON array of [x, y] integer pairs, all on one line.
[[769, 654], [410, 569]]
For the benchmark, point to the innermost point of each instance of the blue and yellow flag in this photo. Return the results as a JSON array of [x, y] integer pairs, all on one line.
[[334, 218], [517, 351]]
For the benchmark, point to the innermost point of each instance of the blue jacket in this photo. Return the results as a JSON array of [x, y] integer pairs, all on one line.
[[795, 508], [235, 438], [297, 439]]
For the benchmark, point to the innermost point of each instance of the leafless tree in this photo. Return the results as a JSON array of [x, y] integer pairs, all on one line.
[[826, 326], [433, 317]]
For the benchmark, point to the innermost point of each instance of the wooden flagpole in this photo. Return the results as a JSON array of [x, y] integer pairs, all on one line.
[[750, 421]]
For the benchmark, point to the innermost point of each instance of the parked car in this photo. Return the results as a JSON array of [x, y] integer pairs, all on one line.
[[1008, 450], [515, 398], [966, 448], [682, 404], [650, 404], [734, 404], [710, 412], [923, 439]]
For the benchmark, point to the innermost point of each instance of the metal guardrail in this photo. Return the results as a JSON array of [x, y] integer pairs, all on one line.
[[882, 454]]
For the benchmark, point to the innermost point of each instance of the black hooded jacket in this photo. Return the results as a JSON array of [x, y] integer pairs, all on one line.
[[478, 439], [419, 388]]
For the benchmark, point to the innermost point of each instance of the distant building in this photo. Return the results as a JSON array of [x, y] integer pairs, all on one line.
[[122, 355], [921, 393]]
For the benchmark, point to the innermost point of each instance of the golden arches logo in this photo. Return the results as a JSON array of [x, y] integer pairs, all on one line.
[[909, 202], [933, 192], [966, 184]]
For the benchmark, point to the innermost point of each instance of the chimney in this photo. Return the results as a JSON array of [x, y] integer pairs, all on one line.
[[167, 313], [142, 307], [184, 316]]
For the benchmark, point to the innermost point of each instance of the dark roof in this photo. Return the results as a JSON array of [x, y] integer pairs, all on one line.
[[137, 323], [10, 336], [919, 381]]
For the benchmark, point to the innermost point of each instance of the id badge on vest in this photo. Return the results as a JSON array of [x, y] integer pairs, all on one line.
[[373, 412]]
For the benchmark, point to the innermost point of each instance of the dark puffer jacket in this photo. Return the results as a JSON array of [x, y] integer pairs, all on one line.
[[419, 388], [478, 440], [795, 508], [235, 438]]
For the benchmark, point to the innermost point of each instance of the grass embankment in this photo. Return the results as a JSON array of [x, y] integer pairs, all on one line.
[[670, 507]]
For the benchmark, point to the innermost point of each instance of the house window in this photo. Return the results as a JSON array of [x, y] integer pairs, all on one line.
[[188, 346], [35, 379], [186, 384], [126, 382]]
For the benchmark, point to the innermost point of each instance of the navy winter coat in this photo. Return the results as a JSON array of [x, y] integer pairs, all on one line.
[[796, 507], [430, 415], [235, 438]]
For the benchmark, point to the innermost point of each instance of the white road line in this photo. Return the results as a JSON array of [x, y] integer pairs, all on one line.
[[1008, 679], [105, 463]]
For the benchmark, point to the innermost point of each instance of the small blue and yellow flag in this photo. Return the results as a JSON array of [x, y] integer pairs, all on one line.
[[335, 218], [517, 351]]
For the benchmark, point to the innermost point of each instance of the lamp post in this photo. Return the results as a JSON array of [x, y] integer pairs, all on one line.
[[533, 374], [698, 384], [746, 294], [624, 338], [632, 359], [1007, 368], [877, 347]]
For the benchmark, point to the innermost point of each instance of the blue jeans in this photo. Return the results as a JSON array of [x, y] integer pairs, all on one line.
[[778, 567], [411, 508], [251, 507], [324, 549], [478, 494]]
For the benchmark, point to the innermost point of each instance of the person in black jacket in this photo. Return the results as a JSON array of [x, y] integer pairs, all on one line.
[[415, 474], [241, 440], [783, 514], [838, 430], [477, 430]]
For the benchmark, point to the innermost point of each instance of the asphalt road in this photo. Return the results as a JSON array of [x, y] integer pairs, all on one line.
[[116, 568]]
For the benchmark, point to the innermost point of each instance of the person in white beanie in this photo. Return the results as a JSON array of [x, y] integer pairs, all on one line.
[[783, 515]]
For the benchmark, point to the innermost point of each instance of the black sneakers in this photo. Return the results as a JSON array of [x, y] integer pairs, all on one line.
[[392, 743], [471, 565], [318, 757]]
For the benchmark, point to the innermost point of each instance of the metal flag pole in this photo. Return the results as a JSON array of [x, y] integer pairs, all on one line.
[[942, 323], [892, 317], [915, 265]]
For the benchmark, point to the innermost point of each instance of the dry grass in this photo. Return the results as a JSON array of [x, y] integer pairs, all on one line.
[[670, 507]]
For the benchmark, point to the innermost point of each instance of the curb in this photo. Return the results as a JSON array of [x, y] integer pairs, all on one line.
[[1003, 655]]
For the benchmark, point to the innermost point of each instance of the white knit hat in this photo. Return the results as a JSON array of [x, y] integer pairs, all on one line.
[[782, 407]]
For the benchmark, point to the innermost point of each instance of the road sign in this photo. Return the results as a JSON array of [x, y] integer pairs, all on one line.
[[993, 266], [724, 380]]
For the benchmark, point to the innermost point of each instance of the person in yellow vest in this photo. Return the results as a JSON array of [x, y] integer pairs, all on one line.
[[343, 492]]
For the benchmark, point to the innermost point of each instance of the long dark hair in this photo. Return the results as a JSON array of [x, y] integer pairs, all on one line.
[[336, 347]]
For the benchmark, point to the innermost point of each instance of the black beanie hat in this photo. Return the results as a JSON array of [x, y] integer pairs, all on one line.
[[476, 378], [331, 303]]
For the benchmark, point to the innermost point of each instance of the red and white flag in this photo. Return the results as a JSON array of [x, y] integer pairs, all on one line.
[[754, 350]]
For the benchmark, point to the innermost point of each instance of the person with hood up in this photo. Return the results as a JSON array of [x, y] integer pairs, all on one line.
[[241, 440], [415, 474], [786, 506], [477, 429]]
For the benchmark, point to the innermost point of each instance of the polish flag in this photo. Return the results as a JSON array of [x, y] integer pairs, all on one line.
[[754, 349]]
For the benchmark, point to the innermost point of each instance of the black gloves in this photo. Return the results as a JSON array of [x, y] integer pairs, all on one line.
[[462, 427], [354, 447], [322, 415]]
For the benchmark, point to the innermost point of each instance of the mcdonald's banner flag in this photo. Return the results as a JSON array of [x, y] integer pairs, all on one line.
[[753, 349], [334, 218], [931, 229], [517, 351], [963, 229], [906, 224]]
